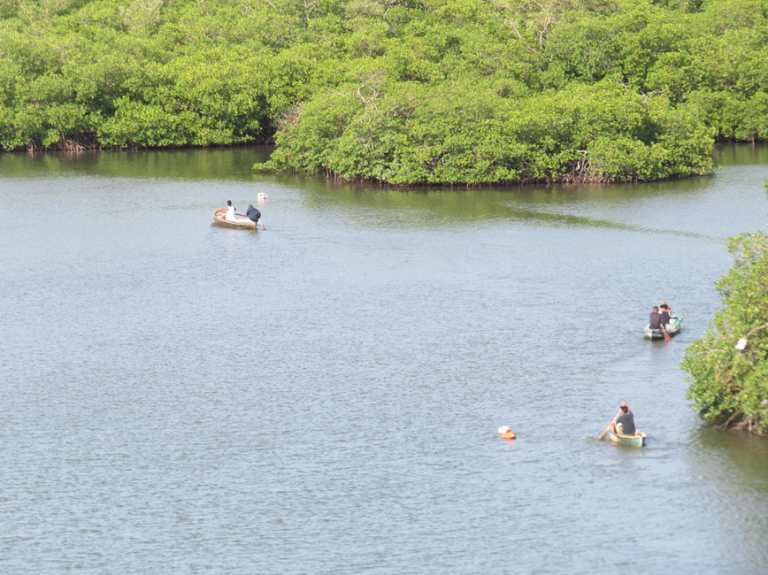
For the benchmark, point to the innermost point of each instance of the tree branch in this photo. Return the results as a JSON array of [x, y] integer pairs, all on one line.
[[724, 425], [754, 331], [531, 49]]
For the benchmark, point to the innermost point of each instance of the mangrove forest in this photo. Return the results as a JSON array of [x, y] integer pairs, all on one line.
[[398, 91]]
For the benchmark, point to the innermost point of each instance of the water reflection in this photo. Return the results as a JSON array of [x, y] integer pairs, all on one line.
[[730, 473], [741, 154], [537, 206], [736, 457], [189, 164], [237, 164]]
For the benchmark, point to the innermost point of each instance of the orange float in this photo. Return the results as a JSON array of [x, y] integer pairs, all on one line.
[[506, 433]]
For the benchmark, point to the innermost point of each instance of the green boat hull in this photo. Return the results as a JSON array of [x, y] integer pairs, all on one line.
[[637, 440], [658, 334]]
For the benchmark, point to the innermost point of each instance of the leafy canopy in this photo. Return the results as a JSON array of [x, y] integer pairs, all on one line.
[[426, 91], [730, 385]]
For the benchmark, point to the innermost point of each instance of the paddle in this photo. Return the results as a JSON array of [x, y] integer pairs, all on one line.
[[604, 433], [667, 337]]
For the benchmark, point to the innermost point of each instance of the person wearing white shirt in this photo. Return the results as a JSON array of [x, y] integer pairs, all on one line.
[[230, 211]]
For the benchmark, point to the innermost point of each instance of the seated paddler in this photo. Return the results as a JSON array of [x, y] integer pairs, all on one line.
[[666, 316], [655, 319], [624, 424], [230, 215], [254, 214]]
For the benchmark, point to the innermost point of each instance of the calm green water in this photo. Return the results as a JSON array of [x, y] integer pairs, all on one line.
[[323, 397]]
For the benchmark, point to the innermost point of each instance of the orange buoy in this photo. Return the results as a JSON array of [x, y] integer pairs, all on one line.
[[506, 433]]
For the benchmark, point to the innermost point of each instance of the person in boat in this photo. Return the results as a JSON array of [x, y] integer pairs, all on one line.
[[254, 214], [655, 320], [230, 211], [624, 424], [666, 316]]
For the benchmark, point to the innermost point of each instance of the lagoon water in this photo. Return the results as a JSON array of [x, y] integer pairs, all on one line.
[[323, 397]]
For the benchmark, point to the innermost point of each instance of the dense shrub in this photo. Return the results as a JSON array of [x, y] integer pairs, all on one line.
[[729, 386], [417, 90], [406, 133]]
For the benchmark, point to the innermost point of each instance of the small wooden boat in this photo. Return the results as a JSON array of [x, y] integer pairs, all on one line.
[[219, 217], [649, 333], [636, 440]]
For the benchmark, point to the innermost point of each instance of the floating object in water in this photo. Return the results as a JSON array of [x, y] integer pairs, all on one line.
[[506, 433], [262, 195]]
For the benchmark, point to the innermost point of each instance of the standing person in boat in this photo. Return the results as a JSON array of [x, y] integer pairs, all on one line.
[[624, 424], [254, 215], [655, 320], [230, 211]]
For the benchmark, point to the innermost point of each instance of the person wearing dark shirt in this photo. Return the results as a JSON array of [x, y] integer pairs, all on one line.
[[664, 311], [254, 215], [666, 316], [624, 424], [655, 319]]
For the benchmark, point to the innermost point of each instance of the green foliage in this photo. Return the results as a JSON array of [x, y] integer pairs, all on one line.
[[728, 385], [496, 90], [406, 133]]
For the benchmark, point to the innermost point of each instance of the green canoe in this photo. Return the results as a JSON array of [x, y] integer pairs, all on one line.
[[636, 440]]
